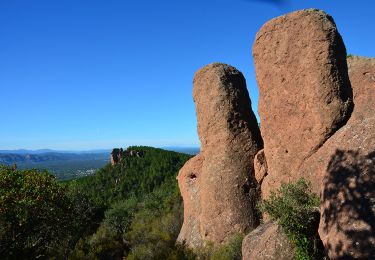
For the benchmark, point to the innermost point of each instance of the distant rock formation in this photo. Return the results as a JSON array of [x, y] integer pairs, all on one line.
[[218, 185], [118, 153], [305, 94], [116, 156], [267, 242]]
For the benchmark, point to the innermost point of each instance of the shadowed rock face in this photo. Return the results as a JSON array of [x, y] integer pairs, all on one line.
[[305, 93], [218, 185], [347, 225]]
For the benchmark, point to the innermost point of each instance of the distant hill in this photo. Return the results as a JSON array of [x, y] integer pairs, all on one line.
[[11, 158], [67, 165], [43, 151], [63, 165]]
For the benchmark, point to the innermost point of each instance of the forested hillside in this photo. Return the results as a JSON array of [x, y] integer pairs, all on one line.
[[131, 209]]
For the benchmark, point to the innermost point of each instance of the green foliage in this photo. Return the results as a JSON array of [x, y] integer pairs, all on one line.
[[294, 207], [133, 176], [349, 55], [36, 215], [230, 251], [131, 210], [144, 208]]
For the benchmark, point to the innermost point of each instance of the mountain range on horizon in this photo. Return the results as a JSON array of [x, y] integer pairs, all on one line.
[[182, 149]]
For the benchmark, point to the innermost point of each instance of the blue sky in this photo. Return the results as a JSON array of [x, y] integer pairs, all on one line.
[[90, 74]]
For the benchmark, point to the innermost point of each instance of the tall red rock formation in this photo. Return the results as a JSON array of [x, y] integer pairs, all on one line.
[[311, 128], [305, 94], [218, 185]]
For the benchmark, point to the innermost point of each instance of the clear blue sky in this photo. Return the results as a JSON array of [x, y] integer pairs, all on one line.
[[87, 74]]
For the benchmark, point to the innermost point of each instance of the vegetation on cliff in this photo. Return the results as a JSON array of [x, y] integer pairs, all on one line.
[[295, 208]]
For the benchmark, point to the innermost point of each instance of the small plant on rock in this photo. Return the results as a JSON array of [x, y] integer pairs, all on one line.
[[295, 208]]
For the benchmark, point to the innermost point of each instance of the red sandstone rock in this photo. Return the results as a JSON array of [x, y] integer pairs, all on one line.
[[260, 166], [267, 242], [346, 163], [305, 102], [230, 138], [347, 225], [362, 77], [189, 178], [305, 94]]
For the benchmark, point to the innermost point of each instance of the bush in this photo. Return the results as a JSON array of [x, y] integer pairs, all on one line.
[[36, 215], [230, 251], [295, 208]]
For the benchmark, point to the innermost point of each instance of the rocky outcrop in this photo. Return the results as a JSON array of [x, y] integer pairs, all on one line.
[[189, 178], [311, 128], [267, 242], [347, 165], [218, 185], [116, 156], [305, 94]]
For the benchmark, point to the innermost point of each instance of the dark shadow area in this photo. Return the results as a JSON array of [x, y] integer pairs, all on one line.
[[348, 197]]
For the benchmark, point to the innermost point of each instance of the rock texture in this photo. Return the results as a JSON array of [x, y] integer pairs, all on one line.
[[260, 166], [347, 165], [362, 77], [319, 125], [305, 93], [267, 242], [218, 185], [347, 226], [189, 178]]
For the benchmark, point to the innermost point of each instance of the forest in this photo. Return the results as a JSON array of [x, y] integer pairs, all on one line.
[[130, 210]]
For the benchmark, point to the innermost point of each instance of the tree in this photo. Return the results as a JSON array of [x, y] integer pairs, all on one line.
[[36, 215]]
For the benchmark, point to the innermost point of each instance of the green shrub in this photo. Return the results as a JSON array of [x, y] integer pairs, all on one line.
[[295, 208], [231, 251], [36, 215]]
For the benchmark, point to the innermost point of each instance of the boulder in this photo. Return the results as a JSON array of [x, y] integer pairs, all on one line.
[[230, 138], [267, 242], [305, 94]]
